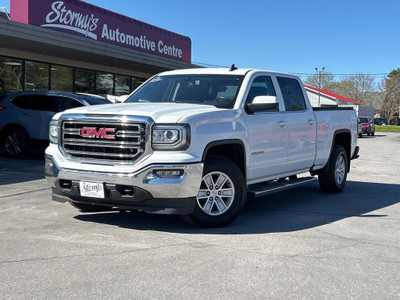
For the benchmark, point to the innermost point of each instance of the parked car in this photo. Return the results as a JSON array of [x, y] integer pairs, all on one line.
[[381, 121], [359, 128], [25, 117], [368, 125]]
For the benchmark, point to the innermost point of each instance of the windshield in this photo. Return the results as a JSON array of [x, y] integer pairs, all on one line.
[[217, 90], [364, 120]]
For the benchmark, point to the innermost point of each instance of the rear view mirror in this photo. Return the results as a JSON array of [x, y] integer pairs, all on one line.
[[262, 103]]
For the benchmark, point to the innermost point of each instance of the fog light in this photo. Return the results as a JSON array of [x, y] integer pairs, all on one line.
[[167, 173]]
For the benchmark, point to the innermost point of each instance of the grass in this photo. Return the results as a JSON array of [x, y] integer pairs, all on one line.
[[387, 128]]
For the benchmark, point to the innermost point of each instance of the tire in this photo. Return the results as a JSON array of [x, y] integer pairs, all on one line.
[[89, 208], [221, 195], [360, 135], [368, 133], [373, 133], [15, 142], [335, 180]]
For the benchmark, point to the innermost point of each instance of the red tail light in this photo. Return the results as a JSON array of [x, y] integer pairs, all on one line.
[[2, 108]]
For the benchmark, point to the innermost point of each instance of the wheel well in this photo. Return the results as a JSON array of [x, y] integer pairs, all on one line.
[[8, 127], [344, 139], [232, 150]]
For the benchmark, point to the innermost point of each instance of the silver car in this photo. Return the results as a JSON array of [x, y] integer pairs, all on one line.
[[25, 117]]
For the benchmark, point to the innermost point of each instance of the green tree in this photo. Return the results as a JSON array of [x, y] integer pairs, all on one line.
[[391, 104]]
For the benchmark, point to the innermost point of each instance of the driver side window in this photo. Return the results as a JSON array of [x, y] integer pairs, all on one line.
[[261, 86]]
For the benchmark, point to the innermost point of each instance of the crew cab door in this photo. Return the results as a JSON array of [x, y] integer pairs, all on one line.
[[300, 125], [267, 138]]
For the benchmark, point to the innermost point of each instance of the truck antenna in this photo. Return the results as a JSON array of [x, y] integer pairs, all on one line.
[[233, 68]]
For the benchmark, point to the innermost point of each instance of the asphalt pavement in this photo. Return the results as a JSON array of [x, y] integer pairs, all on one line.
[[297, 244]]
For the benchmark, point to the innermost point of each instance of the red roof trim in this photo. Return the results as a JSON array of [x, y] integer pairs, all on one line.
[[332, 95]]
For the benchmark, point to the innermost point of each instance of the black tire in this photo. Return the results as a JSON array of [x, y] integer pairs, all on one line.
[[16, 142], [335, 180], [89, 208], [360, 135], [373, 133], [221, 195], [368, 133]]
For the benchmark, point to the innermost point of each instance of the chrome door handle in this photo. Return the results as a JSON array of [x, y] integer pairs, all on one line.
[[281, 124]]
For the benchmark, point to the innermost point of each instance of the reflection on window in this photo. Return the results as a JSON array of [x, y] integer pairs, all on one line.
[[104, 83], [36, 76], [136, 82], [122, 85], [10, 74], [84, 81], [62, 78]]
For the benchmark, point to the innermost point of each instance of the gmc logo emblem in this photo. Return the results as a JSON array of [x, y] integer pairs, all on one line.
[[101, 133]]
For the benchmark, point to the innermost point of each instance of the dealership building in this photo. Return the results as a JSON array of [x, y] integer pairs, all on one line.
[[74, 46]]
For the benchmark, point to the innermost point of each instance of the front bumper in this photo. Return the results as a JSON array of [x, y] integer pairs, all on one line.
[[142, 190]]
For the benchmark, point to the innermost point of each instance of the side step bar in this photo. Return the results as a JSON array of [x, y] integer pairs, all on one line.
[[259, 190]]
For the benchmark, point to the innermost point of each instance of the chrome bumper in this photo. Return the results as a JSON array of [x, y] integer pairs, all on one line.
[[150, 184]]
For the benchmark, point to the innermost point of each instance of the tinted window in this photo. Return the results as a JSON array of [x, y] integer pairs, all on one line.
[[42, 102], [292, 94], [22, 101], [36, 76], [64, 103], [261, 86]]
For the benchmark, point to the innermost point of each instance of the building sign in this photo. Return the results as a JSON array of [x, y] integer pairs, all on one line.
[[92, 22]]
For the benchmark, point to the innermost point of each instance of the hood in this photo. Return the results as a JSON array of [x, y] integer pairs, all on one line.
[[159, 112]]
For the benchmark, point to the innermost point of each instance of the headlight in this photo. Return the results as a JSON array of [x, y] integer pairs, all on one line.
[[170, 137], [53, 132]]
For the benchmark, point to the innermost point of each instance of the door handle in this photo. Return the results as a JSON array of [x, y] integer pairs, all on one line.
[[281, 124], [310, 122]]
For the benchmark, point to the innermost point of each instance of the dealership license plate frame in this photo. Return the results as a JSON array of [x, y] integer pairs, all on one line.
[[91, 189]]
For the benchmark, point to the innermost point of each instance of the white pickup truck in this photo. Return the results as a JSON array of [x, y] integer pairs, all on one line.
[[197, 142]]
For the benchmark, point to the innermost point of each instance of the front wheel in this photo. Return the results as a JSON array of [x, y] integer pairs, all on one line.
[[335, 180], [221, 195]]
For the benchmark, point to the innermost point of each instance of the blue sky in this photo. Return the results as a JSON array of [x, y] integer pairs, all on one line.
[[344, 36]]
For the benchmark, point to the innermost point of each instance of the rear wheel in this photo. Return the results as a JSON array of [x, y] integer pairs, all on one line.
[[221, 195], [335, 180], [15, 142]]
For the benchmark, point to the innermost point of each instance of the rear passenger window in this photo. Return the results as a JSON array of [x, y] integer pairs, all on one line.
[[261, 86], [292, 94], [64, 103], [43, 103], [22, 101]]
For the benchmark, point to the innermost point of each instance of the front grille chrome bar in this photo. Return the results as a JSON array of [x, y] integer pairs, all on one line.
[[102, 140]]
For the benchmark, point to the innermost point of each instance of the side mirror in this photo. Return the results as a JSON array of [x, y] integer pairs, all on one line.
[[262, 103]]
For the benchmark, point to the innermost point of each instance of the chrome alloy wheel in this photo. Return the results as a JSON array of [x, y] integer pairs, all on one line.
[[216, 193], [340, 170]]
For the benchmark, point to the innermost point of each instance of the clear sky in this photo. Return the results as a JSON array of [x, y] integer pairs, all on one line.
[[344, 36]]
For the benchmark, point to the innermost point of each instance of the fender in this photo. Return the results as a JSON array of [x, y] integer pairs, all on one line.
[[345, 144]]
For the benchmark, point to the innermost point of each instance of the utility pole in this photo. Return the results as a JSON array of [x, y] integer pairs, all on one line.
[[319, 84]]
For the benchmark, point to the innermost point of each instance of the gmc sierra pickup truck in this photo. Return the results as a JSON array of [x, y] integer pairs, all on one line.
[[197, 143]]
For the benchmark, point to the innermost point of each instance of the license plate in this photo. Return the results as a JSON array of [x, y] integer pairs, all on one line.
[[91, 189]]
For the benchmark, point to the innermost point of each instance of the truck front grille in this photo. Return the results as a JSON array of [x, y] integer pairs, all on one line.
[[103, 141]]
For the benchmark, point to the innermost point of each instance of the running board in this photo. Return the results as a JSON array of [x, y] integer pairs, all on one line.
[[259, 190]]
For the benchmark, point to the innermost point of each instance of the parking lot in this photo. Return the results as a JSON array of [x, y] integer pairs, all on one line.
[[298, 244]]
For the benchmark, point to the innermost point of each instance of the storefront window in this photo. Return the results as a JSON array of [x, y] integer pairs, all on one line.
[[136, 81], [84, 81], [36, 76], [62, 78], [104, 83], [10, 74], [122, 85]]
